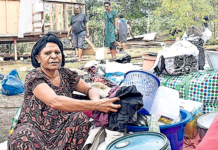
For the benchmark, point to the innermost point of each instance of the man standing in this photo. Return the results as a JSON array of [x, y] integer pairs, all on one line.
[[110, 28], [79, 29]]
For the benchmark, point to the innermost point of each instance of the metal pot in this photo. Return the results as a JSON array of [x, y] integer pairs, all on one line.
[[141, 141], [204, 122]]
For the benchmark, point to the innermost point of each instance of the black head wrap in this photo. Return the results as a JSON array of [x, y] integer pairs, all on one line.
[[41, 43]]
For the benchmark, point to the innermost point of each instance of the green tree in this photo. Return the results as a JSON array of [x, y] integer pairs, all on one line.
[[180, 13]]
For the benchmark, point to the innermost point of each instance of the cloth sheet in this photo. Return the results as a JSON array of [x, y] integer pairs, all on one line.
[[190, 144], [92, 134], [101, 88]]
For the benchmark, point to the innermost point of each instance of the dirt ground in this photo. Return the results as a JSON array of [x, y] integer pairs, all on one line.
[[8, 107], [9, 104]]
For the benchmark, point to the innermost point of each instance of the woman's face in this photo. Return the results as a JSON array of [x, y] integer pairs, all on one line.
[[50, 57], [76, 10]]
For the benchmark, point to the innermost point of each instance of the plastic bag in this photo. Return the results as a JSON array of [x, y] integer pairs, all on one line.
[[180, 58], [125, 59], [1, 76], [12, 84], [206, 35], [153, 124], [117, 77]]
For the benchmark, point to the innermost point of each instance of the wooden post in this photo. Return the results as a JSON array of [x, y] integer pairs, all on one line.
[[43, 22], [43, 18], [32, 18], [15, 49], [57, 17], [10, 49], [50, 13], [83, 7], [61, 17], [65, 17], [72, 7]]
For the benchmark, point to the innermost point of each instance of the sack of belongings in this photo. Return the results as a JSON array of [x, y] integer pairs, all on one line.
[[12, 84], [181, 58]]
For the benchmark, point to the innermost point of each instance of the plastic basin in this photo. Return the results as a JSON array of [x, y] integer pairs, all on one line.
[[174, 132]]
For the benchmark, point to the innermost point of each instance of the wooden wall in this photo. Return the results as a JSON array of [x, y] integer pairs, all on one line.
[[9, 16]]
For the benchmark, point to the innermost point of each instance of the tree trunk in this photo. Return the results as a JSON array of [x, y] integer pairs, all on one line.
[[148, 25], [214, 30]]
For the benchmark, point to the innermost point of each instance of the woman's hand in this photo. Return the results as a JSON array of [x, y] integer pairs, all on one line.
[[103, 34], [87, 34], [106, 105], [115, 32]]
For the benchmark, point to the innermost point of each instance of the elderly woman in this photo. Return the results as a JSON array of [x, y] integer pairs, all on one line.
[[79, 29], [50, 118]]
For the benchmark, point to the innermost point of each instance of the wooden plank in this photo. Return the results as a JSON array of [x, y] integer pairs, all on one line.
[[13, 16], [90, 43], [37, 28], [3, 17], [37, 21], [37, 13], [63, 2], [10, 0], [88, 51]]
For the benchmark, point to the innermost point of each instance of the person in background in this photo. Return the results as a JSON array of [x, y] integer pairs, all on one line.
[[130, 28], [110, 28], [122, 32], [51, 118], [79, 29]]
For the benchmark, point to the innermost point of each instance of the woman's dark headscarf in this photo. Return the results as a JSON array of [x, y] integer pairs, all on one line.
[[49, 37]]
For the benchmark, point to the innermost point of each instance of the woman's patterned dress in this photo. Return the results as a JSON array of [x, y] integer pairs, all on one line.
[[41, 127]]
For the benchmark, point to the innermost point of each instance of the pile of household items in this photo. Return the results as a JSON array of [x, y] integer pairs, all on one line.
[[162, 103]]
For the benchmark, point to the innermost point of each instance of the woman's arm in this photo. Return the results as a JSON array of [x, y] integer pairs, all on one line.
[[115, 26], [84, 88], [103, 28], [63, 103]]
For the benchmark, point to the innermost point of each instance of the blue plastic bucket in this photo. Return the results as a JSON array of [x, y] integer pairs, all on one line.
[[146, 83], [141, 141], [174, 132]]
